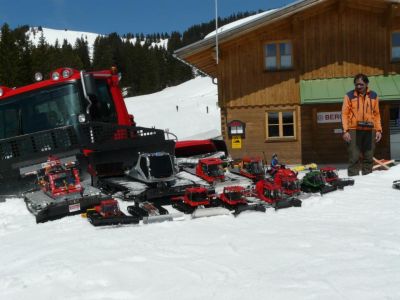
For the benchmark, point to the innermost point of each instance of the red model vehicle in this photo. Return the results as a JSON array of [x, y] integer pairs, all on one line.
[[57, 179], [199, 202], [109, 213], [331, 176], [250, 167], [270, 192], [288, 181], [210, 169], [233, 198]]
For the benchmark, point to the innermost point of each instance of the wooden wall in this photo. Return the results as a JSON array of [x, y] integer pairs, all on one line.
[[254, 143], [321, 144], [338, 38], [334, 39]]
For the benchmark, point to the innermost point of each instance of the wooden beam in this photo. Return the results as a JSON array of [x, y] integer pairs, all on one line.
[[389, 15]]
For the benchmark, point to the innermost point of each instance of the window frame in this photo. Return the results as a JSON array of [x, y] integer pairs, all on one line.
[[397, 59], [278, 55], [281, 137]]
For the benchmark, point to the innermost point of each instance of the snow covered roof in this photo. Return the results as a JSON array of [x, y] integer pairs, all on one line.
[[244, 26]]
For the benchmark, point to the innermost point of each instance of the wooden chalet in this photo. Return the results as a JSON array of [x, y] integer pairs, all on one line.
[[282, 75]]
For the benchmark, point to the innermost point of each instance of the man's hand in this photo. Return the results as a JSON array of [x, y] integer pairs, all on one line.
[[347, 137], [378, 136]]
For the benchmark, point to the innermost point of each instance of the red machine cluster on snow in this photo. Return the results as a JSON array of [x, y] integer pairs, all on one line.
[[77, 150]]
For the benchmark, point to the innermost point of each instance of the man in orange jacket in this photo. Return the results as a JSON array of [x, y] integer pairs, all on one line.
[[362, 127]]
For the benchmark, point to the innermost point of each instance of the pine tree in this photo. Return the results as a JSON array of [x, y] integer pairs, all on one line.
[[82, 51], [8, 57]]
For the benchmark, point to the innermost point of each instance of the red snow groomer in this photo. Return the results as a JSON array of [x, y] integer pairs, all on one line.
[[198, 201], [250, 167], [109, 213], [331, 176], [211, 170], [270, 192], [72, 113], [233, 198], [288, 181]]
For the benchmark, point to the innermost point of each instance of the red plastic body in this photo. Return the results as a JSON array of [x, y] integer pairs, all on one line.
[[58, 180], [268, 191], [108, 208], [194, 196], [330, 174], [287, 180], [247, 172], [210, 169], [233, 195]]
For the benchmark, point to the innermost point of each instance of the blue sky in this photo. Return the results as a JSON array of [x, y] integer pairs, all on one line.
[[123, 16]]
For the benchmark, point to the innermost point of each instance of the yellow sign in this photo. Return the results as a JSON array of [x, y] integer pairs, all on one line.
[[236, 142]]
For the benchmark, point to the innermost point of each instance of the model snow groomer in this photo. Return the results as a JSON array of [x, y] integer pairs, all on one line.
[[268, 191], [332, 177]]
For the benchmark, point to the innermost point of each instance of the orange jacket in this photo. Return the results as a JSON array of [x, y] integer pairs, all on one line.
[[357, 107]]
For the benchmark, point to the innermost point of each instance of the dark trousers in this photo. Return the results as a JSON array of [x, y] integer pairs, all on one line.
[[361, 152]]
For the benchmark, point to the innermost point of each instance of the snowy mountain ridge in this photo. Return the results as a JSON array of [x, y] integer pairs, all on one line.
[[53, 35]]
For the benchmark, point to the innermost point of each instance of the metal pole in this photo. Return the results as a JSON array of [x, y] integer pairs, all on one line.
[[216, 31]]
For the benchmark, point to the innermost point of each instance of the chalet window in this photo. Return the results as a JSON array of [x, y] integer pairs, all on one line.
[[280, 124], [396, 46], [278, 56]]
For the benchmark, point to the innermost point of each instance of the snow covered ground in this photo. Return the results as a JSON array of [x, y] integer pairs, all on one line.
[[344, 245], [188, 110]]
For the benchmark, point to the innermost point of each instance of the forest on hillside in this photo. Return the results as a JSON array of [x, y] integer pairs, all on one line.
[[145, 68]]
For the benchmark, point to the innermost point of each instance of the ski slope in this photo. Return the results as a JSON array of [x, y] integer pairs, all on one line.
[[189, 110], [344, 245]]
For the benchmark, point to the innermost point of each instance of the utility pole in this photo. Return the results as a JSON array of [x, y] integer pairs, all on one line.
[[216, 31]]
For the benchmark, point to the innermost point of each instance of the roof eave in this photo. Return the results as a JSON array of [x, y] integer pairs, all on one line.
[[245, 28]]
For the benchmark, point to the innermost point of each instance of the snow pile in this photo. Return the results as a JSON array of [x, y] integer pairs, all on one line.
[[189, 110]]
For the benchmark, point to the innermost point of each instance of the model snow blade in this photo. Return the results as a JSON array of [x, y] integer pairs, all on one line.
[[152, 213], [163, 218], [202, 212], [396, 184], [249, 207], [288, 202]]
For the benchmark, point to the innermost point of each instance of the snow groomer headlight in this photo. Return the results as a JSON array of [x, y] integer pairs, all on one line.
[[38, 76], [82, 118], [66, 73], [1, 92], [55, 76]]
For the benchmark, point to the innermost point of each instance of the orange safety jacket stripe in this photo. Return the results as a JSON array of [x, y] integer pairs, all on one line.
[[357, 108]]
